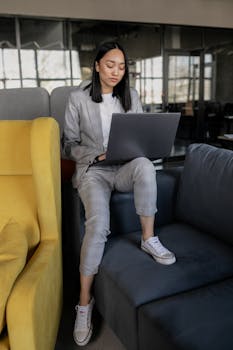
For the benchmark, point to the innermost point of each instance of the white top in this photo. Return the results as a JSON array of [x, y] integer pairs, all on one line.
[[108, 106]]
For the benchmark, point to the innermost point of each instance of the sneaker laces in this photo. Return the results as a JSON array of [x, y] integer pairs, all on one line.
[[82, 317], [157, 245]]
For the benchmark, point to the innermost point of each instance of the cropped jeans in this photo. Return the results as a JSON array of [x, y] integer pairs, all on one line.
[[95, 190]]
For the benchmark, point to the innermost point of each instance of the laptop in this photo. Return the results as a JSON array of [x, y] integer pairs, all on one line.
[[134, 135]]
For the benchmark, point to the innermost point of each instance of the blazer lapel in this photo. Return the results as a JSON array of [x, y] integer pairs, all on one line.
[[95, 119]]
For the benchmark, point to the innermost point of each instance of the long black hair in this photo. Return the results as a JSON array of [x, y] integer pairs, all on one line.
[[122, 89]]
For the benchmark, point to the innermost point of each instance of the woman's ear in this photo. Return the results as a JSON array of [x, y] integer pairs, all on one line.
[[97, 66]]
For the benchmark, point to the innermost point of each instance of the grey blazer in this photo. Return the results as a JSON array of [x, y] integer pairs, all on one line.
[[83, 137]]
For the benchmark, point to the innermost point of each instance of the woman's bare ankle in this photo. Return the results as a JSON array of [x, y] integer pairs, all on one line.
[[85, 289], [84, 299]]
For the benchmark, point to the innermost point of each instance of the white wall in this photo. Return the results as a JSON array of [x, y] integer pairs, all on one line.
[[213, 13]]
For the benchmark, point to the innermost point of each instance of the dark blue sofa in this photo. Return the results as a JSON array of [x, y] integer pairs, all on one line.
[[188, 305]]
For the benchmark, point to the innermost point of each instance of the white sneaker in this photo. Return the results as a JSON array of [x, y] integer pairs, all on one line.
[[83, 326], [154, 247]]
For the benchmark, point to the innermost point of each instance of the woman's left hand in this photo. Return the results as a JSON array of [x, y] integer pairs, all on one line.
[[102, 157]]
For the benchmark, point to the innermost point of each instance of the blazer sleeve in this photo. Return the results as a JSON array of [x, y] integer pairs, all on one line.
[[71, 140]]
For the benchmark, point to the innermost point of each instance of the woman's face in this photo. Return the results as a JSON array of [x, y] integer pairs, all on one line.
[[111, 68]]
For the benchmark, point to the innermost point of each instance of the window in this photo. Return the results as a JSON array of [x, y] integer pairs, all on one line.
[[149, 80], [28, 63], [183, 78], [9, 64], [54, 68], [164, 60]]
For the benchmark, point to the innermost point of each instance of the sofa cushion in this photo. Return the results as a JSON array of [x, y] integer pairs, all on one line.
[[128, 277], [206, 190], [13, 254], [200, 319], [201, 259]]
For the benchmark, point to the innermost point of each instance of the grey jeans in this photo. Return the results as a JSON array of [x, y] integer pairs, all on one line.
[[95, 190]]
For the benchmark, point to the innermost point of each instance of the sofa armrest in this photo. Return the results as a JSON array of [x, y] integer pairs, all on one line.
[[34, 306], [167, 183], [46, 169]]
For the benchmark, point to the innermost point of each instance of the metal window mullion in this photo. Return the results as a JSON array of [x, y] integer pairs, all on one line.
[[140, 77], [18, 45], [213, 77], [70, 46], [36, 66], [164, 70], [3, 70], [202, 72], [143, 70], [190, 81]]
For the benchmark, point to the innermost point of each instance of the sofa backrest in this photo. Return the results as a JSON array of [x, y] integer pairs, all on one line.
[[205, 196], [18, 197], [15, 154], [24, 103], [30, 103], [30, 176]]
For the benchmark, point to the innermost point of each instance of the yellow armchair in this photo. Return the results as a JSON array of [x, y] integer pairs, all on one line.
[[30, 208]]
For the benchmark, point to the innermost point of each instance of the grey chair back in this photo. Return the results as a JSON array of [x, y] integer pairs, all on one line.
[[58, 100], [24, 103]]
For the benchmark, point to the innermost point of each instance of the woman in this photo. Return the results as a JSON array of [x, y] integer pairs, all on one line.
[[86, 131]]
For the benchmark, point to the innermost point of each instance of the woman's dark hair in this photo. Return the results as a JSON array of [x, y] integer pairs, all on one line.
[[122, 89]]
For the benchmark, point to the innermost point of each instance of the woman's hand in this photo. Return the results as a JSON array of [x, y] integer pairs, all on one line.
[[102, 157]]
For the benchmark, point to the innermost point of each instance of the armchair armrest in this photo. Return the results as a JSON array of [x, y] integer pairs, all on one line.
[[167, 183], [34, 306]]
